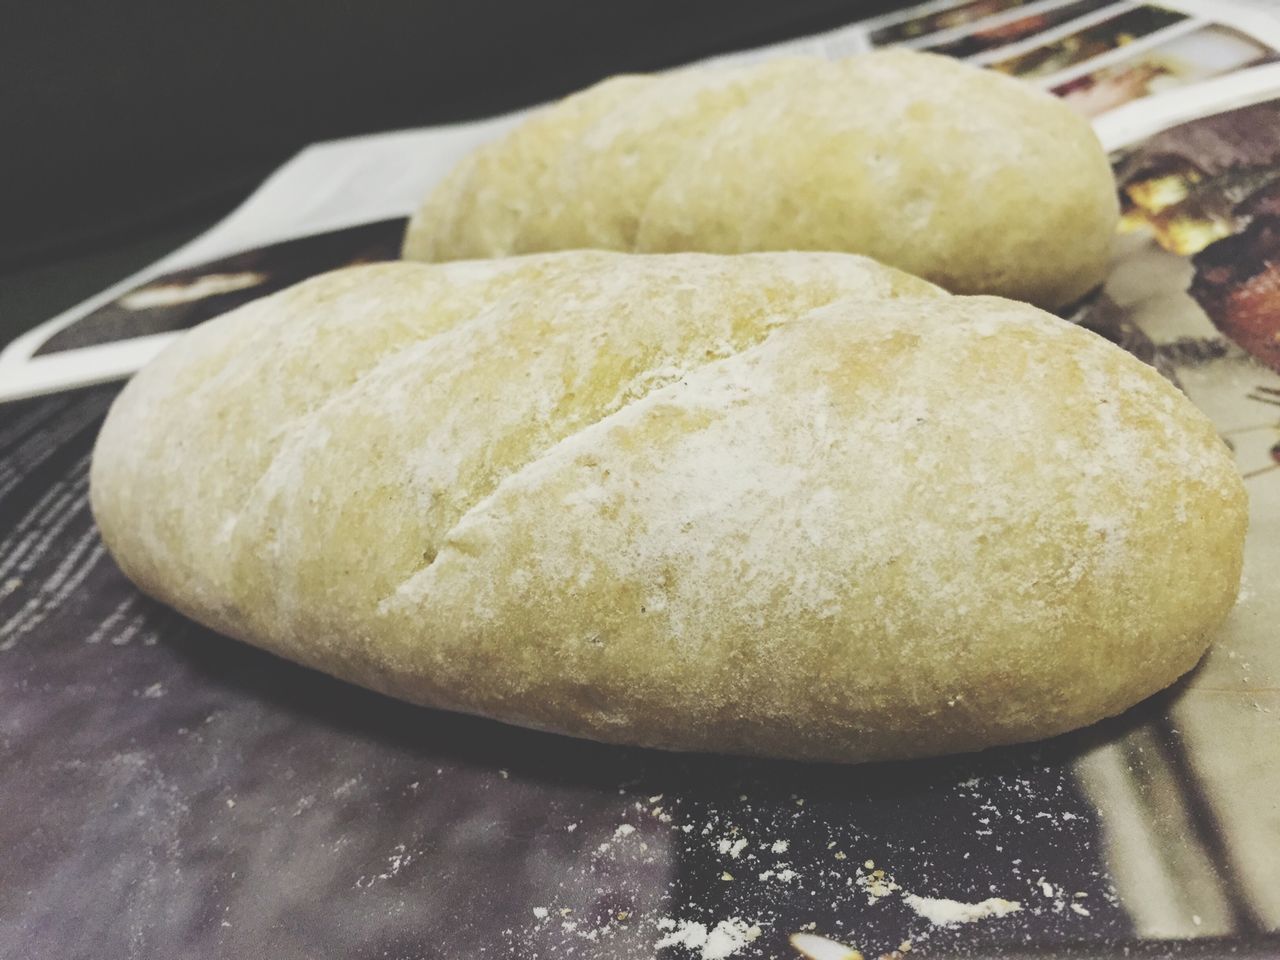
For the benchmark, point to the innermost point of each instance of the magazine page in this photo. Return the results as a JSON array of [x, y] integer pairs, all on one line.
[[1133, 68]]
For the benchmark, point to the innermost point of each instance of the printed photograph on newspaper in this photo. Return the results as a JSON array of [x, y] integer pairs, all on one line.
[[1209, 51], [995, 32], [1098, 38], [178, 301]]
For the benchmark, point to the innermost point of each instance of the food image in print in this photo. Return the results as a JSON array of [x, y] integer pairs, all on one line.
[[992, 37], [1208, 52], [1210, 190], [1089, 42], [1197, 271], [1237, 279], [927, 23], [181, 299]]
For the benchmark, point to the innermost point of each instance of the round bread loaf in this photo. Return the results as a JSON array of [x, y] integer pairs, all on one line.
[[798, 505], [968, 178]]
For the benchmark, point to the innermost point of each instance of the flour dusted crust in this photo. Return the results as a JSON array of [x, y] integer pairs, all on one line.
[[971, 179], [796, 505]]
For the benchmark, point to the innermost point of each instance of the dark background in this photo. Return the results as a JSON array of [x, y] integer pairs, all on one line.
[[131, 126]]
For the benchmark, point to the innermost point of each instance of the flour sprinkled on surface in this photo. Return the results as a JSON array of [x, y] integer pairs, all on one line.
[[946, 913], [723, 940]]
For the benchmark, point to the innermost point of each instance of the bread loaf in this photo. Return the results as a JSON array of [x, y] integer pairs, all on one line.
[[971, 179], [796, 505]]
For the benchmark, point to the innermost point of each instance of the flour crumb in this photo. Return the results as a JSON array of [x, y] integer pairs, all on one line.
[[779, 846], [1080, 909], [876, 885], [723, 940], [728, 937], [540, 912], [624, 830], [398, 859], [947, 913]]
